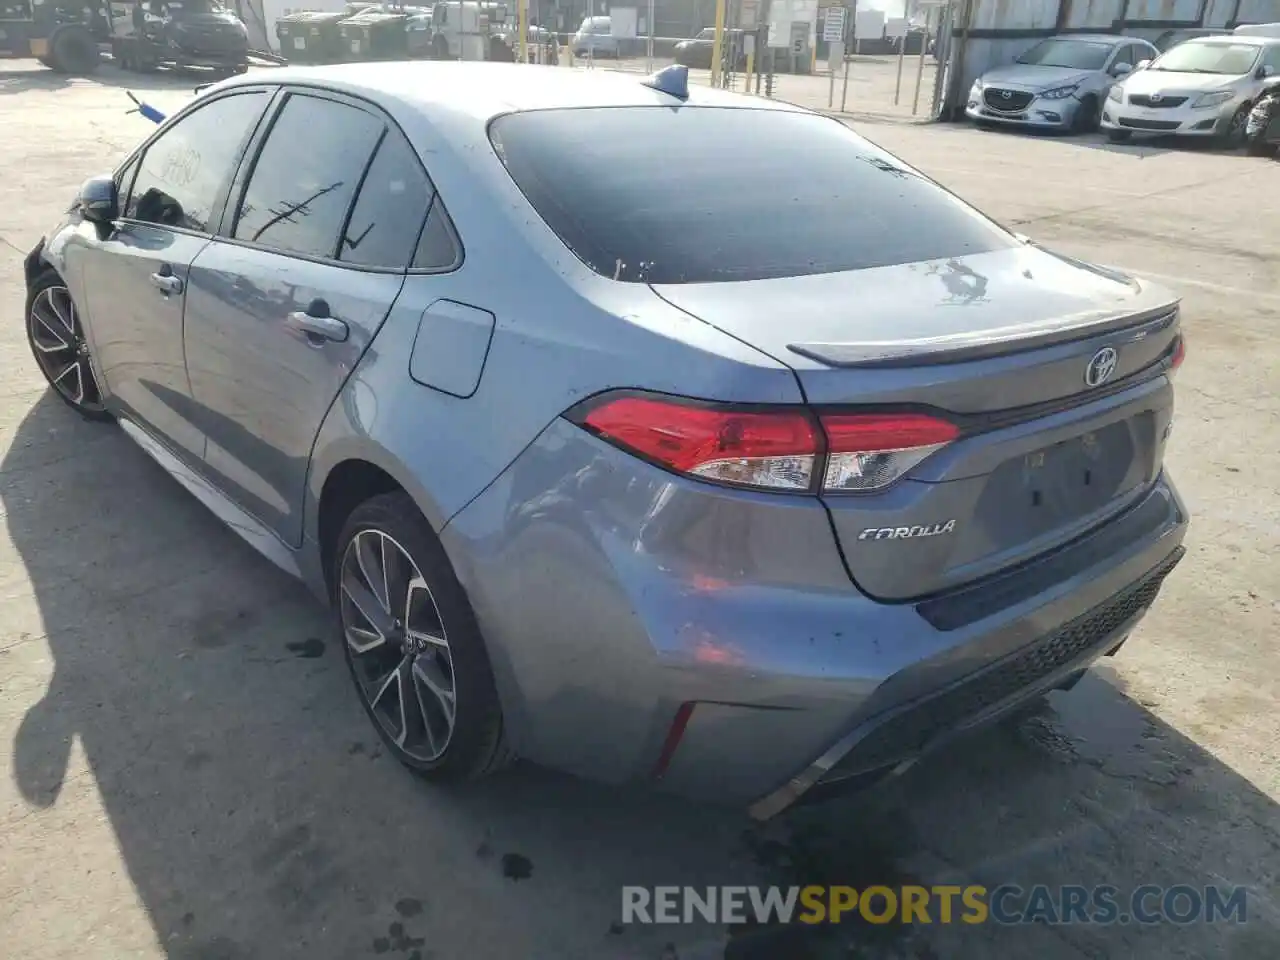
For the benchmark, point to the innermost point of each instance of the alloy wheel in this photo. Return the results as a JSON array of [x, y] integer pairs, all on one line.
[[61, 349], [398, 645]]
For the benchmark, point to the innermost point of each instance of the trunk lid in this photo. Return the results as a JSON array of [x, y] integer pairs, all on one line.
[[1009, 345]]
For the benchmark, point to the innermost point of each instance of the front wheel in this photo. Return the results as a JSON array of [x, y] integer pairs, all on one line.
[[1232, 135], [1119, 136], [1086, 117], [56, 337], [412, 643]]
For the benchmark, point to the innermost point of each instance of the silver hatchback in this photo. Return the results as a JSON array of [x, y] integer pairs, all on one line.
[[1059, 84], [590, 469]]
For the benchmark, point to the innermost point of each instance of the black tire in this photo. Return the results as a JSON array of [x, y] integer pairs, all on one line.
[[1087, 116], [1232, 136], [474, 745], [1119, 136], [52, 319], [1256, 148], [74, 51]]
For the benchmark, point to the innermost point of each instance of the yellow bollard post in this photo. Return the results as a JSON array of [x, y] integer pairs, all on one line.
[[718, 46]]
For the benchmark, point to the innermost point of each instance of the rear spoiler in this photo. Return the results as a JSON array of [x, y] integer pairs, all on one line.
[[1014, 339]]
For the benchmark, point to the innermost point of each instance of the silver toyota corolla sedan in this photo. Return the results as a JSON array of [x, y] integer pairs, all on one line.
[[654, 433], [1059, 84]]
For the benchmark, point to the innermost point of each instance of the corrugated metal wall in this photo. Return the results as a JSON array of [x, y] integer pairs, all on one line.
[[991, 32]]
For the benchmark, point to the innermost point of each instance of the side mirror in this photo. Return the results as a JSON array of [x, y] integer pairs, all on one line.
[[1121, 69], [1266, 70], [98, 200], [1142, 65]]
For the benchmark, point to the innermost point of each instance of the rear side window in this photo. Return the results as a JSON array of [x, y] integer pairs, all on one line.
[[388, 214], [306, 175], [702, 194]]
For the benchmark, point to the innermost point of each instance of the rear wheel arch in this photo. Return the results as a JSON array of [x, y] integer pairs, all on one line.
[[347, 485]]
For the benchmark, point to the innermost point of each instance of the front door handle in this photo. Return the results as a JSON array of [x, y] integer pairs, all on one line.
[[316, 323], [166, 282]]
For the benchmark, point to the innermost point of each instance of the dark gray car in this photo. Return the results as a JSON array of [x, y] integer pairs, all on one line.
[[592, 469]]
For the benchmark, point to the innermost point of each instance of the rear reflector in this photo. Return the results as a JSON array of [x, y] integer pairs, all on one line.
[[783, 448]]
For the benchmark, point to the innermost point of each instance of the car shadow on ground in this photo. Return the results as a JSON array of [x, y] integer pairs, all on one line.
[[1139, 146], [258, 817]]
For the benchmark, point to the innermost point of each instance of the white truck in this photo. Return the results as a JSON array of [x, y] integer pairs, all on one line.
[[461, 29]]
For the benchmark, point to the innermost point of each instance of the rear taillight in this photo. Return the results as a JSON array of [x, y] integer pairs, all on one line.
[[1179, 353], [776, 449], [868, 451], [781, 448]]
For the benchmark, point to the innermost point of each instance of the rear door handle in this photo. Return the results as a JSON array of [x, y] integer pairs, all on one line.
[[316, 323], [167, 282]]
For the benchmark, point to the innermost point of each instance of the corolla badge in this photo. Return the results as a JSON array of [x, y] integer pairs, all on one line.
[[906, 533], [1101, 366]]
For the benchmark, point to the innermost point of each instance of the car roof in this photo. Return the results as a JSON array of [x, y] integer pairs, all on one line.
[[1109, 38], [482, 90], [1249, 39]]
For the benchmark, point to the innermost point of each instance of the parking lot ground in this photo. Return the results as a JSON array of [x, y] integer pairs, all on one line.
[[185, 773]]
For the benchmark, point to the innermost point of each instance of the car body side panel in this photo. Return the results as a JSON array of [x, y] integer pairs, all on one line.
[[135, 330], [260, 387], [576, 535], [554, 344]]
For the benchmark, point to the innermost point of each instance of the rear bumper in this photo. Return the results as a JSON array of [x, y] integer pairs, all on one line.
[[894, 739], [648, 629]]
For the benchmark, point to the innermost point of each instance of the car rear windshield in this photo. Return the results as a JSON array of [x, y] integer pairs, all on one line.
[[1232, 59], [704, 194], [1072, 54]]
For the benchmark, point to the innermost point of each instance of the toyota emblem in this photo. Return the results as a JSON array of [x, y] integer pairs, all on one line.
[[1101, 367], [1156, 97], [1006, 94]]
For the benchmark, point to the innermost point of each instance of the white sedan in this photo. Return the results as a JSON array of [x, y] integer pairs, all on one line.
[[1201, 88]]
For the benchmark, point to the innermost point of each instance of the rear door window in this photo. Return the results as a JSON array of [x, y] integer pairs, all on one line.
[[387, 218], [306, 175], [703, 194]]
